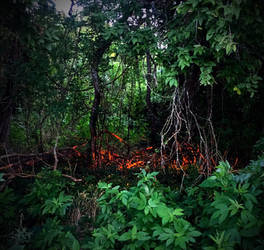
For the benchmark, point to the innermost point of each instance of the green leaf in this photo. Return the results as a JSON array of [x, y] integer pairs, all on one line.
[[178, 212], [124, 200], [146, 210], [164, 236], [251, 197], [153, 203], [169, 242], [165, 220], [209, 34], [137, 203], [76, 245], [103, 185], [163, 211], [143, 200], [223, 216], [134, 40], [209, 182], [134, 230], [125, 236], [180, 242], [173, 82], [157, 231], [143, 236], [195, 233]]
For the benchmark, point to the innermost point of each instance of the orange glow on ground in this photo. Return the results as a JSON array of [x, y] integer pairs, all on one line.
[[187, 155]]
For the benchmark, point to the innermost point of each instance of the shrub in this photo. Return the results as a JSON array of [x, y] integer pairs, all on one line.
[[227, 207], [47, 204], [223, 212], [140, 218]]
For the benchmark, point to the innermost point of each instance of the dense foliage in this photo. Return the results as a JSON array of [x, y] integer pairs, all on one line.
[[126, 124], [222, 212], [196, 64]]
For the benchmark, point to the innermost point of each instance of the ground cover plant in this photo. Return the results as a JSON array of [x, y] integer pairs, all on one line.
[[131, 124], [222, 212]]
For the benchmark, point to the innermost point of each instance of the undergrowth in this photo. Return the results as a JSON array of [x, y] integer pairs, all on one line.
[[225, 211]]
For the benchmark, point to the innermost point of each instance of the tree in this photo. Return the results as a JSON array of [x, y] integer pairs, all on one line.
[[169, 59], [13, 26], [207, 45]]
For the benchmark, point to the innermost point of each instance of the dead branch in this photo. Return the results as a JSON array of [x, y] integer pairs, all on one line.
[[55, 154], [180, 125], [24, 175], [23, 164], [72, 178]]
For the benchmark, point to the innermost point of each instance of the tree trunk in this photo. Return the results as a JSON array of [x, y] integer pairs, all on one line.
[[5, 119], [6, 110], [151, 116], [95, 111]]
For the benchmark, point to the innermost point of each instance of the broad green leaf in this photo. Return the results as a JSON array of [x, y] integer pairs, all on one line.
[[153, 203], [143, 236], [209, 182], [125, 236], [146, 210], [163, 211], [75, 245]]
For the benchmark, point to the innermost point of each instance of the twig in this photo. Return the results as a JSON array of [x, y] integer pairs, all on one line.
[[55, 153], [72, 178], [22, 175], [182, 181], [7, 166]]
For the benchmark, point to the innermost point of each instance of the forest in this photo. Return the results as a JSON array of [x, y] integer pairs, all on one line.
[[131, 124]]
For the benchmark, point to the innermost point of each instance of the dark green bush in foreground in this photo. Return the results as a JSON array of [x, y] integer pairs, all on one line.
[[224, 212], [141, 218]]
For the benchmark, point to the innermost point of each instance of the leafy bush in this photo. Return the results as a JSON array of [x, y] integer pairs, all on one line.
[[227, 207], [57, 206], [223, 212], [8, 211], [140, 218], [54, 236], [20, 238], [7, 205], [258, 148], [44, 192], [47, 205]]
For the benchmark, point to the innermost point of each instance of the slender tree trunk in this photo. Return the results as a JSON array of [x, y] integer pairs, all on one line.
[[6, 110], [98, 55], [152, 117], [5, 119], [95, 111]]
